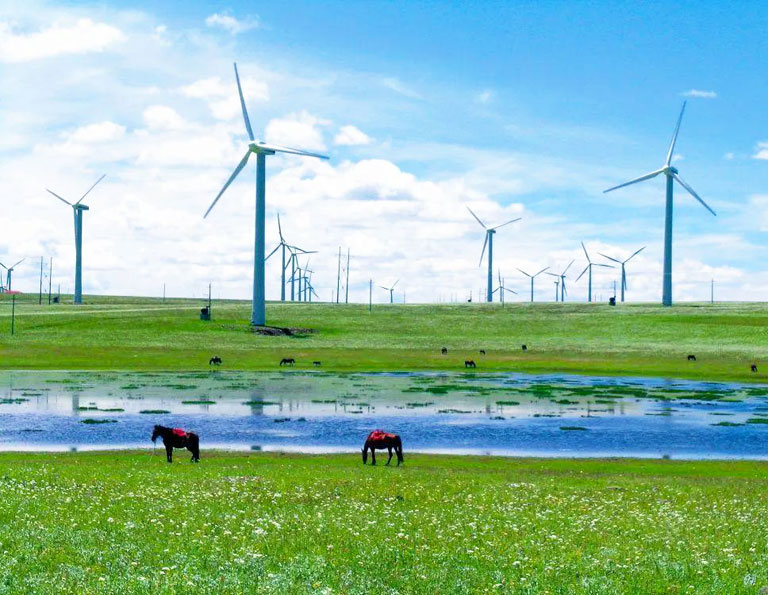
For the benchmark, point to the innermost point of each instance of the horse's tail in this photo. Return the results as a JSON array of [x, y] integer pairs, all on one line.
[[399, 449], [194, 444]]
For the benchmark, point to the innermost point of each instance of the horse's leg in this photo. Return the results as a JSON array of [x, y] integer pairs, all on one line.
[[389, 449], [373, 456], [169, 453], [399, 451]]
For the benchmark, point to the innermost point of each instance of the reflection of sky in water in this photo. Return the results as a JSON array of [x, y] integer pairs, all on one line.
[[317, 412]]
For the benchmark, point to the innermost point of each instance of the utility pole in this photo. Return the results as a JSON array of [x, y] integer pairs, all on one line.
[[40, 291], [338, 277], [346, 295], [50, 279], [712, 293], [370, 295], [13, 313], [163, 292], [209, 299]]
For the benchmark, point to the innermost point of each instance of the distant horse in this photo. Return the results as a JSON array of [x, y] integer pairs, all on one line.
[[482, 352], [215, 360], [287, 361], [444, 351], [381, 440], [691, 358], [178, 438], [753, 367], [317, 364], [525, 347], [470, 364]]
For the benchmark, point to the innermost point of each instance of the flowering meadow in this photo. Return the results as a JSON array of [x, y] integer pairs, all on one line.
[[127, 522]]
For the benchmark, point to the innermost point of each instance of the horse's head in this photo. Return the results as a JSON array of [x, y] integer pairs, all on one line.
[[365, 455], [155, 433]]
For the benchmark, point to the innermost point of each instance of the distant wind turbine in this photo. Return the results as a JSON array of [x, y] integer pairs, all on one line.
[[561, 278], [489, 231], [671, 174], [261, 149], [532, 278], [391, 291], [589, 268], [623, 270], [78, 209], [501, 289], [9, 273]]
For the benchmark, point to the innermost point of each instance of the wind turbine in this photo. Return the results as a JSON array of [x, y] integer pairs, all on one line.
[[589, 268], [261, 149], [9, 273], [489, 231], [78, 209], [501, 289], [623, 270], [561, 283], [671, 174], [532, 278], [391, 291]]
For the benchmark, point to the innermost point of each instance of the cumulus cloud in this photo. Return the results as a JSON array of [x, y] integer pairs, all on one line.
[[699, 93], [351, 135], [97, 133], [162, 117], [81, 37], [301, 130], [231, 24], [221, 96], [761, 151], [484, 96]]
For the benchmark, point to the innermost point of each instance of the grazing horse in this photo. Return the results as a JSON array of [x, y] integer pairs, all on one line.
[[381, 440], [470, 363], [444, 351], [287, 361], [178, 438], [525, 347], [753, 367], [215, 360], [317, 364], [482, 352], [691, 358]]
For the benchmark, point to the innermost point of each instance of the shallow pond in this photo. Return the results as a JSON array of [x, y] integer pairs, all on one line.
[[509, 414]]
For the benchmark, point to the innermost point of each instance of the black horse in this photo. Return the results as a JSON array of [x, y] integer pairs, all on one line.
[[178, 438], [470, 363], [287, 361], [381, 439], [215, 360]]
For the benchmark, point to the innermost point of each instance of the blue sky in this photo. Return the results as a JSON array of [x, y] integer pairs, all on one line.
[[515, 109]]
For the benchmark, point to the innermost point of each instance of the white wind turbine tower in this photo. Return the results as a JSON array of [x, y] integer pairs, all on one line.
[[9, 273], [391, 291], [261, 149], [589, 268], [489, 232], [78, 209], [672, 175], [532, 278], [623, 269]]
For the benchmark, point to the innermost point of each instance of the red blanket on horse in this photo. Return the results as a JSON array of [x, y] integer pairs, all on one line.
[[179, 432], [379, 435]]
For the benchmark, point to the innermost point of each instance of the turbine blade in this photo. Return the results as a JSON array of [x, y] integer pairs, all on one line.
[[609, 258], [2, 265], [584, 271], [541, 271], [61, 199], [239, 167], [692, 192], [523, 272], [242, 104], [507, 223], [279, 228], [633, 255], [18, 263], [510, 290], [395, 283], [554, 275], [485, 243], [566, 268], [674, 136], [271, 253], [89, 189], [607, 266], [585, 253], [291, 150], [477, 218], [653, 174]]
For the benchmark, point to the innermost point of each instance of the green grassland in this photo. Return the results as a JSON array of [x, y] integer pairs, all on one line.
[[127, 522], [146, 334]]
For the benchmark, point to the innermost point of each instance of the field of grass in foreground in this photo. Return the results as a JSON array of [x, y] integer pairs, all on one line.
[[127, 522], [631, 339]]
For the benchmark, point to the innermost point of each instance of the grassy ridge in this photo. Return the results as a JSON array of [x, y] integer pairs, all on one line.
[[145, 334], [127, 522]]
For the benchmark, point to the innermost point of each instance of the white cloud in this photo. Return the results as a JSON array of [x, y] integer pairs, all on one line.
[[699, 93], [300, 130], [351, 135], [231, 24], [398, 87], [162, 117], [729, 156], [761, 152], [222, 97], [97, 133], [81, 37], [484, 96]]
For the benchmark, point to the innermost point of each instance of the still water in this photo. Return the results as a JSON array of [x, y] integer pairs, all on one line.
[[506, 414]]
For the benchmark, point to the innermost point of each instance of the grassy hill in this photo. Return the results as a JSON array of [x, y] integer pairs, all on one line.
[[147, 334]]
